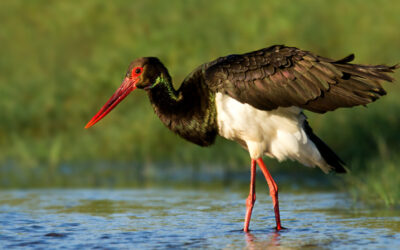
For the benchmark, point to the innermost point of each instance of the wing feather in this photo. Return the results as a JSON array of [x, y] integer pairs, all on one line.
[[281, 76]]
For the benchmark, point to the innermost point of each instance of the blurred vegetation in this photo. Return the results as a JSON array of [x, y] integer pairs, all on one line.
[[61, 60]]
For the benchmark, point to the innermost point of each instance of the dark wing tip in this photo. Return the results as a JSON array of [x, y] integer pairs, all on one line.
[[347, 59]]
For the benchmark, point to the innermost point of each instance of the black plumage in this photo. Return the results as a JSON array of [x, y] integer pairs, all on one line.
[[190, 111], [281, 76]]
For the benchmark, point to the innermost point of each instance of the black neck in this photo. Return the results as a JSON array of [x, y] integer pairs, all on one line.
[[190, 111]]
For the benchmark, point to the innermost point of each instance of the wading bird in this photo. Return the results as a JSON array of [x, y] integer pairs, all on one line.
[[256, 99]]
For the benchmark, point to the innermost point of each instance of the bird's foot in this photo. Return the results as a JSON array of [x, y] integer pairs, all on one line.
[[279, 228]]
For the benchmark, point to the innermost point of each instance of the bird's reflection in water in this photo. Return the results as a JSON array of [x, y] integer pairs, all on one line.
[[254, 243]]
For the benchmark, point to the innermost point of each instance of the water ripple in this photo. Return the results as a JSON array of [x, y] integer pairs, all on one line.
[[153, 218]]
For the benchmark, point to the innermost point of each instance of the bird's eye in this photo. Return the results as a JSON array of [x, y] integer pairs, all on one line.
[[138, 70], [135, 73]]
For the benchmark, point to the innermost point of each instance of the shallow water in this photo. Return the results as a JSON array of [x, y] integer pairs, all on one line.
[[157, 218]]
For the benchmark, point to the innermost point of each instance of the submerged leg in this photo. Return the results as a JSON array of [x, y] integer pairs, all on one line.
[[273, 191], [251, 199]]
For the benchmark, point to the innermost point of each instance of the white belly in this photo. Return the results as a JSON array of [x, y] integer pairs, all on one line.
[[278, 133]]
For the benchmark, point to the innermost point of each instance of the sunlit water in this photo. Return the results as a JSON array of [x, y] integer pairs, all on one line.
[[156, 218]]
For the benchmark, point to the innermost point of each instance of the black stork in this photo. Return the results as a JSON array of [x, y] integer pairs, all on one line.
[[257, 99]]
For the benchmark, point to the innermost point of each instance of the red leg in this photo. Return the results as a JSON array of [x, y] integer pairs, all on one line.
[[251, 199], [273, 191]]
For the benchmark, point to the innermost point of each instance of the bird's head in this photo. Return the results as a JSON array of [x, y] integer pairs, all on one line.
[[143, 74]]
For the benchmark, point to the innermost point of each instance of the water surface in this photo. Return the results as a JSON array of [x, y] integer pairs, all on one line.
[[157, 218]]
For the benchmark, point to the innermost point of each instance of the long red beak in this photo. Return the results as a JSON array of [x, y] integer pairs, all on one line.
[[126, 87]]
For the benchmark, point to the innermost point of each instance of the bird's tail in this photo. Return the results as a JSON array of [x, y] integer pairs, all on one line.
[[335, 164]]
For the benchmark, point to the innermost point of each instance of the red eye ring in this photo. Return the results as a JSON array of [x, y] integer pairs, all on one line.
[[137, 71]]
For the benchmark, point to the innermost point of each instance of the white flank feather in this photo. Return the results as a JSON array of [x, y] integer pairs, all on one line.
[[278, 133]]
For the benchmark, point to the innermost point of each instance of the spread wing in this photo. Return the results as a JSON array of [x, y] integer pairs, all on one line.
[[281, 76]]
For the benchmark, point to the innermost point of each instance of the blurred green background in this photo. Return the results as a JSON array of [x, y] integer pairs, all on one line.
[[61, 60]]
